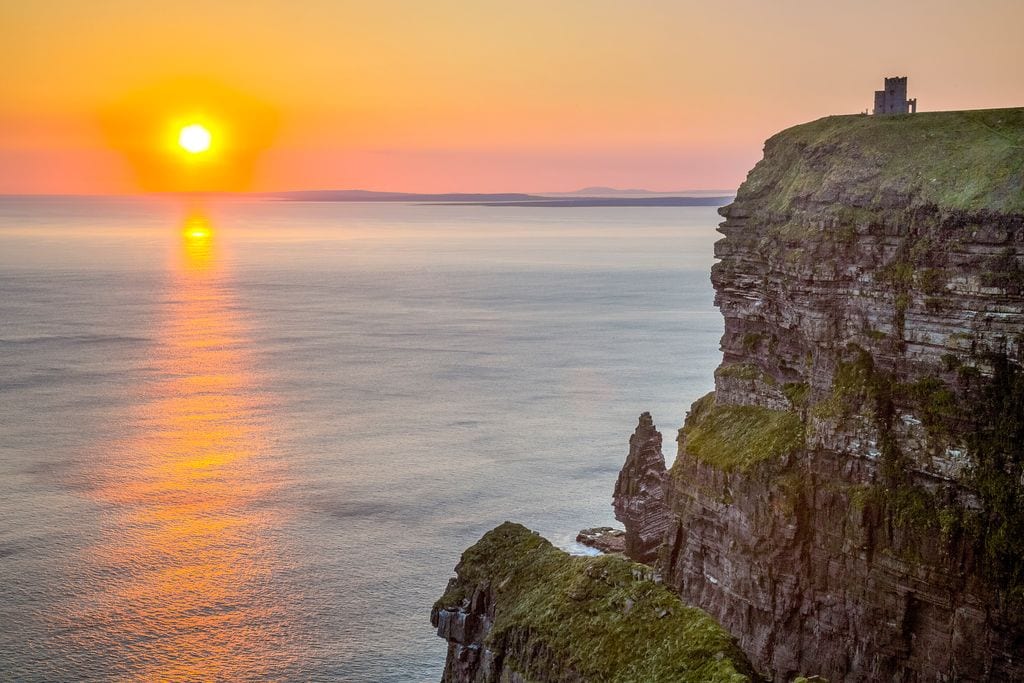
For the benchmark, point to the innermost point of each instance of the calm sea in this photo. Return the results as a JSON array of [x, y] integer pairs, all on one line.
[[248, 440]]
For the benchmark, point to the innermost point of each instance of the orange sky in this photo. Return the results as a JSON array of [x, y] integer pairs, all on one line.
[[466, 96]]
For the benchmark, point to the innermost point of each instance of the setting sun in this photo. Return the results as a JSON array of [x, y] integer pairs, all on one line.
[[194, 138]]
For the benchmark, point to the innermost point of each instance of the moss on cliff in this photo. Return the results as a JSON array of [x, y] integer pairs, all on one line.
[[558, 617], [744, 371], [986, 414], [995, 438], [970, 160], [732, 437]]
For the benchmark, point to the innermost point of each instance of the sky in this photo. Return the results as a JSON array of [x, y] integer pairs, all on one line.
[[477, 96]]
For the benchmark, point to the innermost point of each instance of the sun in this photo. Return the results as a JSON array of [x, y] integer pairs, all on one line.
[[194, 138]]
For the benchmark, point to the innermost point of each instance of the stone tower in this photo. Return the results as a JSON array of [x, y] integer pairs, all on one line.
[[893, 100]]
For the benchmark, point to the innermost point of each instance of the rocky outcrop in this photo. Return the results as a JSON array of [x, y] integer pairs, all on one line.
[[521, 610], [639, 498], [603, 538], [850, 499]]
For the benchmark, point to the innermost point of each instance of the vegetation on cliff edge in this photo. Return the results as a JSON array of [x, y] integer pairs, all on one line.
[[732, 437], [559, 617], [971, 160]]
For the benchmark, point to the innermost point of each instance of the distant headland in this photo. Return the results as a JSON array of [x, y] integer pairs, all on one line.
[[587, 197]]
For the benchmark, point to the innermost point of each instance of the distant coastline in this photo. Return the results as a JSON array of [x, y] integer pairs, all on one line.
[[575, 202], [564, 200], [602, 197]]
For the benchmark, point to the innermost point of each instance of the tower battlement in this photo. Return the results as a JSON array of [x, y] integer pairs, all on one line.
[[893, 99]]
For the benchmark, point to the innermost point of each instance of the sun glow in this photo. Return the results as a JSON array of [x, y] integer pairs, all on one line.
[[195, 138], [190, 135]]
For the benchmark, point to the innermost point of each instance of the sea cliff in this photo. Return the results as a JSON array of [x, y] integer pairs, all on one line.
[[850, 498], [849, 501]]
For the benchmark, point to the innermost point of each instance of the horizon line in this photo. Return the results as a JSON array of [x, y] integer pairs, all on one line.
[[255, 193]]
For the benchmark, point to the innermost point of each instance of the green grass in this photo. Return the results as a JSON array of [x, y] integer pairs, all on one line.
[[797, 393], [972, 160], [744, 371], [731, 437], [597, 619]]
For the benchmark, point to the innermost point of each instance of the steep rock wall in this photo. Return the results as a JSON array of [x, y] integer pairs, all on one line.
[[850, 499]]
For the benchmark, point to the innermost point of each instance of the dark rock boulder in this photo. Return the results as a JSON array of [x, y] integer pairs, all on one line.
[[603, 538]]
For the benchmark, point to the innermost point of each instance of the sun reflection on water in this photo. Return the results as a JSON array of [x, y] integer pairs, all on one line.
[[197, 240], [189, 561]]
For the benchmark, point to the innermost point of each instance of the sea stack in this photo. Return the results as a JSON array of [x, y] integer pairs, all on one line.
[[639, 497]]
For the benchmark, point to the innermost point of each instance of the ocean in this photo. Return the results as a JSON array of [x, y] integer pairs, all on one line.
[[248, 440]]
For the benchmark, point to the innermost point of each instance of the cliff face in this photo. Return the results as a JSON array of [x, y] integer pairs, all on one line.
[[521, 610], [850, 499]]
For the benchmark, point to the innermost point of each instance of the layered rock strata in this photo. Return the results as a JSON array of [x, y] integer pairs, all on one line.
[[850, 499], [639, 498]]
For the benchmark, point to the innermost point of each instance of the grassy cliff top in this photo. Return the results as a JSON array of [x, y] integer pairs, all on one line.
[[971, 160], [597, 618], [731, 437]]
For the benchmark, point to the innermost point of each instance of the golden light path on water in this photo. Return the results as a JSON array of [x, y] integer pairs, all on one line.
[[192, 548]]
